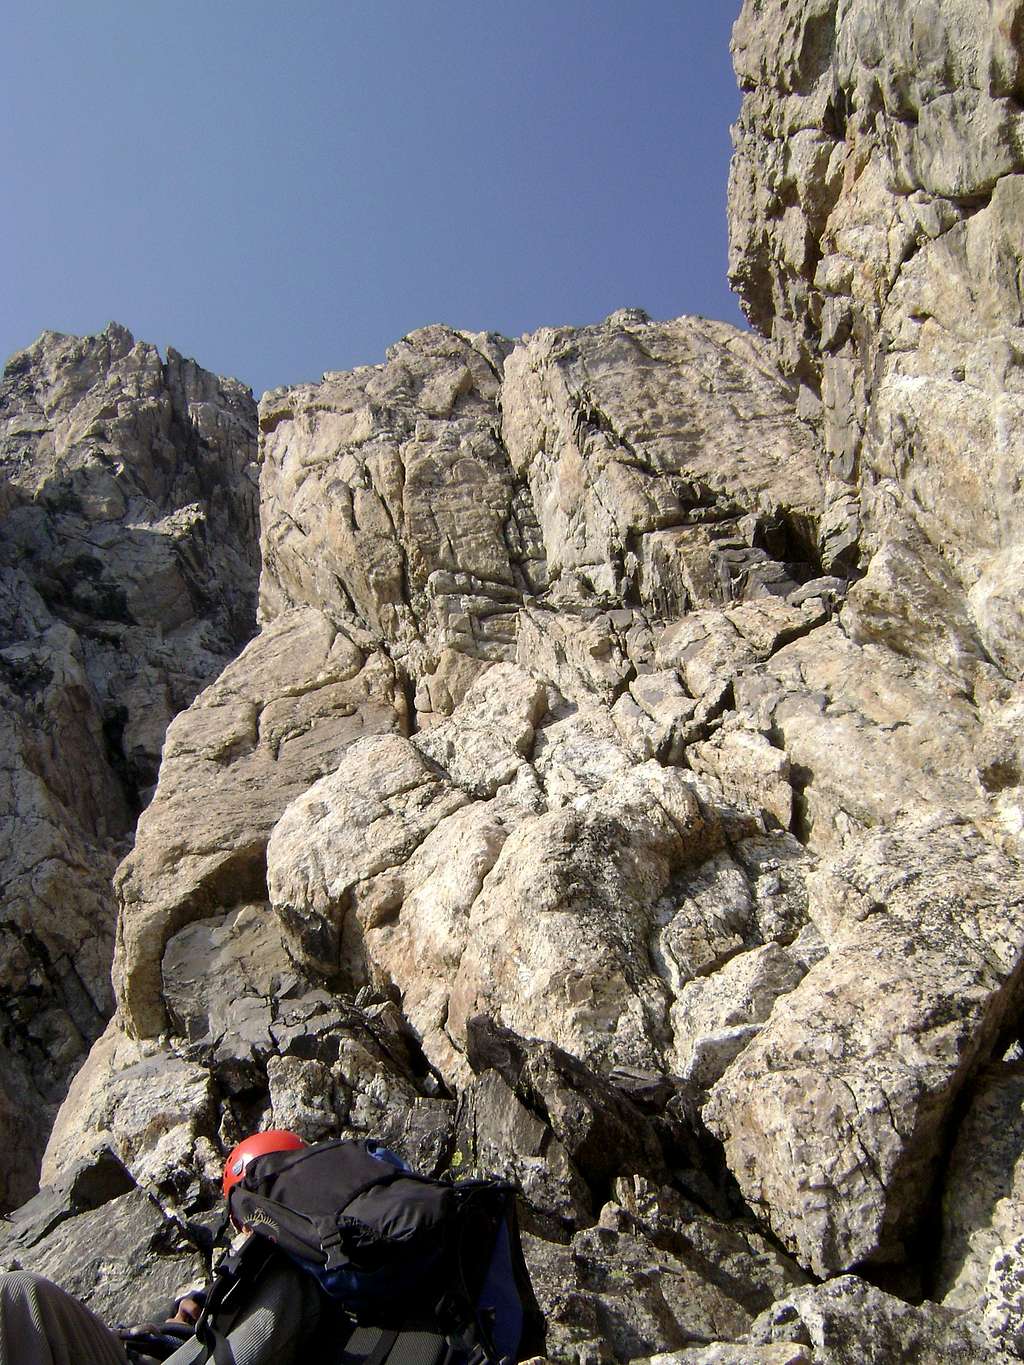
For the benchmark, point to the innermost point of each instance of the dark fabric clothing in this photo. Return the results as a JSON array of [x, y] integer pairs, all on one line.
[[273, 1326], [42, 1325]]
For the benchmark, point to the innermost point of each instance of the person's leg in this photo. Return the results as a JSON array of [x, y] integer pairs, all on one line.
[[42, 1325]]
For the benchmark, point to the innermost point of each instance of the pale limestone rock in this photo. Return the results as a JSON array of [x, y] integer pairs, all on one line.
[[833, 1117], [1003, 1315], [706, 649], [151, 1107], [151, 466], [616, 430], [714, 1017], [732, 1353], [578, 755], [776, 866], [707, 923], [874, 206], [486, 746], [557, 947], [873, 737], [995, 601], [585, 655], [1000, 760], [753, 772], [440, 691], [910, 602], [334, 842], [302, 1097], [426, 536], [277, 718], [660, 697], [429, 919], [709, 647], [491, 908]]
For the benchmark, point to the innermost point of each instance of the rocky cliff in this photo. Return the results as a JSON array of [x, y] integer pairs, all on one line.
[[622, 790], [128, 572]]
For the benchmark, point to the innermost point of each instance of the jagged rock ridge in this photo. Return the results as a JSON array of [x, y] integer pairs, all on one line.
[[127, 581], [623, 790]]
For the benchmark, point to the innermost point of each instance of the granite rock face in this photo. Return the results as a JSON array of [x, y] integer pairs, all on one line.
[[128, 575], [874, 204], [692, 910], [625, 789]]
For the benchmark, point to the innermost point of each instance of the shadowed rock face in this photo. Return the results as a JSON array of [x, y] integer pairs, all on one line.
[[623, 791], [127, 581]]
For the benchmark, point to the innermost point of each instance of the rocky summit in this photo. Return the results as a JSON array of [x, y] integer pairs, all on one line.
[[594, 758]]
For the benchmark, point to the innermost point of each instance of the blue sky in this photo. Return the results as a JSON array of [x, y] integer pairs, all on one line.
[[283, 189]]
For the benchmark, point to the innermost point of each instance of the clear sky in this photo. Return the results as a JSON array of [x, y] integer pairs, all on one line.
[[280, 189]]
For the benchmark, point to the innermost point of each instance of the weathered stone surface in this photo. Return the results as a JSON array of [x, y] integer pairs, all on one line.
[[847, 1321], [729, 1353], [277, 719], [257, 1043], [497, 720], [127, 580], [983, 1207], [715, 1017], [342, 838], [659, 704], [597, 1127], [834, 1117], [910, 602], [430, 883], [874, 197], [870, 736], [124, 1259], [427, 537], [639, 485], [611, 1294], [130, 507]]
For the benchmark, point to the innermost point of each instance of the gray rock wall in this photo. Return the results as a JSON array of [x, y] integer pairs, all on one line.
[[874, 213], [127, 580], [578, 813]]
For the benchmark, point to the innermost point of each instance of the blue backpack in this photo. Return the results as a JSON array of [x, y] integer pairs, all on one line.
[[415, 1271]]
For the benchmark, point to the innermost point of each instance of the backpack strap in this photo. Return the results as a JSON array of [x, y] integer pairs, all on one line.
[[236, 1273], [375, 1346]]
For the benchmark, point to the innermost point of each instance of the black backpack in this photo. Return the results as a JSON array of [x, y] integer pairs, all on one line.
[[411, 1269]]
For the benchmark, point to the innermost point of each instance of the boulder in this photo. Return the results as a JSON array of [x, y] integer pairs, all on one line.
[[848, 1321], [835, 1117], [275, 720]]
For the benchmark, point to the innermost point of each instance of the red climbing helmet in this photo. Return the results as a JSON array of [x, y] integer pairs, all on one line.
[[257, 1144]]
